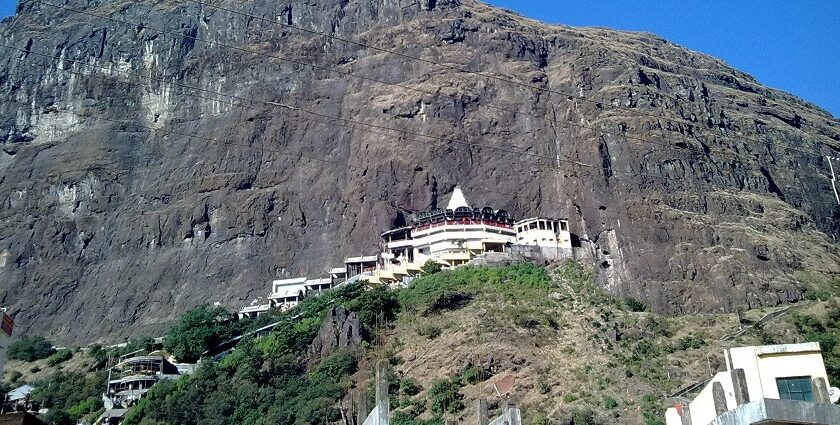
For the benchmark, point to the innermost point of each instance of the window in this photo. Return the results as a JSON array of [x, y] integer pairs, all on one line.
[[795, 388], [542, 225], [532, 225], [563, 225]]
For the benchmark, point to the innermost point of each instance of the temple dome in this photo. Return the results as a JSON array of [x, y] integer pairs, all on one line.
[[457, 200]]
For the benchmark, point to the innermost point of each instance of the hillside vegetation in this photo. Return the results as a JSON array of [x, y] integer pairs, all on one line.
[[579, 356]]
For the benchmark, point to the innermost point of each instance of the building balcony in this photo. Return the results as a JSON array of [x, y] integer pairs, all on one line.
[[454, 256], [413, 266], [400, 244]]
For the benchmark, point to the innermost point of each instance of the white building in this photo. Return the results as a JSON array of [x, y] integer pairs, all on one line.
[[451, 236], [287, 293], [355, 266], [773, 384], [254, 310], [338, 274], [316, 286], [457, 234], [546, 232]]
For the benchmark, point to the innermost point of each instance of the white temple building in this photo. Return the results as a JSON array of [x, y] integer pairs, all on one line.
[[456, 235]]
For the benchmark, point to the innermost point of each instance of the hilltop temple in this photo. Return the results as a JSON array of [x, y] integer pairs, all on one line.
[[457, 235], [460, 233]]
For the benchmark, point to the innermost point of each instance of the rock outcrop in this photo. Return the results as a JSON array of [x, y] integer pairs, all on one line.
[[157, 155], [340, 330]]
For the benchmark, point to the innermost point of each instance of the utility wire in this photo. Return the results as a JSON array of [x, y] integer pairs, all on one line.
[[505, 79], [333, 122], [403, 86]]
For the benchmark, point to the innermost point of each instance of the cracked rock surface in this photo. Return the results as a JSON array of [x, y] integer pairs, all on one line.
[[157, 155]]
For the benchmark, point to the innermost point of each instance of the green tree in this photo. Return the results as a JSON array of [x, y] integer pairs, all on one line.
[[198, 330], [70, 394], [59, 357], [446, 397], [431, 267], [98, 353], [31, 348]]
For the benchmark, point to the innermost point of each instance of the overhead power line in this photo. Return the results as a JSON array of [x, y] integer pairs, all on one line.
[[335, 122], [427, 92]]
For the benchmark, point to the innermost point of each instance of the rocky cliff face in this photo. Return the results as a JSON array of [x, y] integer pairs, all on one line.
[[157, 154]]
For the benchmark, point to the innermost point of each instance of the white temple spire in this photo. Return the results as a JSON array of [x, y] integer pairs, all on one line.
[[457, 200]]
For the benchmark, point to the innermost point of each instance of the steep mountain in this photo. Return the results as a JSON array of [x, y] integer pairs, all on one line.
[[162, 154]]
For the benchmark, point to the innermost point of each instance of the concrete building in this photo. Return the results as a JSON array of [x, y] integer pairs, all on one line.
[[451, 236], [19, 400], [354, 266], [287, 293], [338, 274], [316, 286], [773, 384], [130, 379], [454, 236], [253, 311], [550, 236], [458, 234]]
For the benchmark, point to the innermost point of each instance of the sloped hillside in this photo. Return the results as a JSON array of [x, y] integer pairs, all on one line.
[[578, 355]]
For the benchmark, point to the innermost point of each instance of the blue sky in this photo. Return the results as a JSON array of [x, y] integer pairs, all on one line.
[[789, 45]]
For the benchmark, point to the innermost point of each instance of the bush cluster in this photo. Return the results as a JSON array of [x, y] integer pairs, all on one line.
[[826, 331], [70, 396], [30, 349], [59, 357]]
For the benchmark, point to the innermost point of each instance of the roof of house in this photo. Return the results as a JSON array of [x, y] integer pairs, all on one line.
[[364, 259], [292, 281], [255, 308], [20, 392], [20, 418], [114, 413], [321, 281], [288, 293]]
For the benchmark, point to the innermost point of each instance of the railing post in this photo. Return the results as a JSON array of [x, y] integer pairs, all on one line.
[[719, 399], [739, 384], [820, 390], [481, 411], [361, 407], [382, 404]]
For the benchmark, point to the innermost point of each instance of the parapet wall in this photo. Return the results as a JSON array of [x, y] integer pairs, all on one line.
[[541, 253], [523, 253]]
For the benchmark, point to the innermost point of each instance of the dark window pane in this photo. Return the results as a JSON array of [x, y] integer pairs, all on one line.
[[795, 388]]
